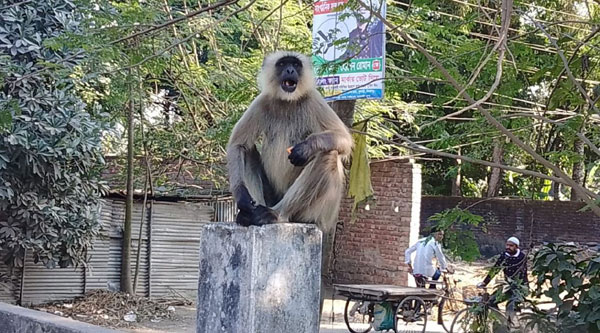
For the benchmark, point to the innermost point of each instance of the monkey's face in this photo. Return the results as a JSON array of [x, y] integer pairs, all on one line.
[[289, 70], [286, 76]]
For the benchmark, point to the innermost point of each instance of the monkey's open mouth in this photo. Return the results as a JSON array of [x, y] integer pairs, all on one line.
[[289, 85]]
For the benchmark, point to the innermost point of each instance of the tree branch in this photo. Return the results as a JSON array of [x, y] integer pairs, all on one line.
[[566, 62], [415, 147], [255, 30], [184, 40], [177, 20], [587, 141], [557, 171], [501, 47]]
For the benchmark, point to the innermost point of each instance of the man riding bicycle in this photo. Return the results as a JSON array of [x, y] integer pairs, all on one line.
[[513, 262], [426, 249]]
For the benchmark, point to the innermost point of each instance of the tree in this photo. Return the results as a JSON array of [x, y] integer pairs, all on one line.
[[50, 151], [193, 70], [518, 87]]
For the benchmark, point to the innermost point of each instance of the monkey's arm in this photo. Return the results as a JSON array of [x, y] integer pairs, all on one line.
[[243, 137], [336, 136], [241, 146]]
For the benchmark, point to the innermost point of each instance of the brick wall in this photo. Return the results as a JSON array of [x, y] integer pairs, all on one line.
[[371, 249], [531, 221]]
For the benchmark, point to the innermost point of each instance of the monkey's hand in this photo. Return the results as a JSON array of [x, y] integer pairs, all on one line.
[[244, 201], [301, 154]]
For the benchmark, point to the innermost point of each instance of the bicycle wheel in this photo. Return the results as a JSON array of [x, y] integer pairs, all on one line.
[[476, 319], [451, 303], [358, 316], [411, 315]]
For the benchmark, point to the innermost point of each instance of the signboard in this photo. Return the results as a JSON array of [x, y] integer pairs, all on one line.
[[354, 39]]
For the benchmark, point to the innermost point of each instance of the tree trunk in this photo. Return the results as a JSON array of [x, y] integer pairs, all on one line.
[[456, 191], [126, 253], [578, 168], [496, 176], [344, 110], [148, 185], [556, 189]]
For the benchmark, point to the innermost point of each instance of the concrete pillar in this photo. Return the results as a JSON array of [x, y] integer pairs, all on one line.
[[259, 279]]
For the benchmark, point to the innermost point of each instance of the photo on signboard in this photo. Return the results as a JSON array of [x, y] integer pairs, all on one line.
[[366, 40], [349, 49]]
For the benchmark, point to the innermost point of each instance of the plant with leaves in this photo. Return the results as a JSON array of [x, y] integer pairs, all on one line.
[[571, 278], [194, 76], [513, 83], [457, 225], [50, 152]]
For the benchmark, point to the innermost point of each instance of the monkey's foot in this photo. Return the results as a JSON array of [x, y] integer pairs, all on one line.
[[244, 218], [261, 215]]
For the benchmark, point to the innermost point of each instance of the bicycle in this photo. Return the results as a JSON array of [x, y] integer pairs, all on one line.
[[481, 315], [447, 301]]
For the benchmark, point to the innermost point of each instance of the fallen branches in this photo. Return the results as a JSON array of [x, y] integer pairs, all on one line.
[[102, 307]]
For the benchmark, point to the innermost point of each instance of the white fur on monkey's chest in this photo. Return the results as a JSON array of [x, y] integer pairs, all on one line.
[[274, 153]]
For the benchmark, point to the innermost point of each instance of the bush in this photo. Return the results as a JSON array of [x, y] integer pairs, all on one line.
[[50, 151]]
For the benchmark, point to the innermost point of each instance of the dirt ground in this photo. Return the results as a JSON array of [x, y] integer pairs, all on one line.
[[182, 318], [182, 321]]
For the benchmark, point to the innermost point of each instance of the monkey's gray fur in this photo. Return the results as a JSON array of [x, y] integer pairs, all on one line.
[[309, 191]]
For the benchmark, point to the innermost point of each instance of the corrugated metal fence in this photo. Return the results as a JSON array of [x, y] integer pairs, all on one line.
[[168, 261]]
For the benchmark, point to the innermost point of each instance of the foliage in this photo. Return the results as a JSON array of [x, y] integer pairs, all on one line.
[[457, 225], [571, 278], [192, 80], [50, 152], [567, 275], [461, 35], [480, 318]]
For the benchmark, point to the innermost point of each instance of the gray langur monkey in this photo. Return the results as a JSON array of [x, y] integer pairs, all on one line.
[[297, 174]]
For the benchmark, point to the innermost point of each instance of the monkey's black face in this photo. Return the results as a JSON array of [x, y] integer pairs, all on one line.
[[289, 71]]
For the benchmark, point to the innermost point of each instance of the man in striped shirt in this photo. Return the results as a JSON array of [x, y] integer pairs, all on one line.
[[513, 262]]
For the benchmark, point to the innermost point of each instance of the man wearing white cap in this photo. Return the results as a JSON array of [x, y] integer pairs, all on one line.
[[513, 262]]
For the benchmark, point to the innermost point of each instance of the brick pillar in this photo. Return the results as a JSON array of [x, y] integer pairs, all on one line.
[[371, 249]]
